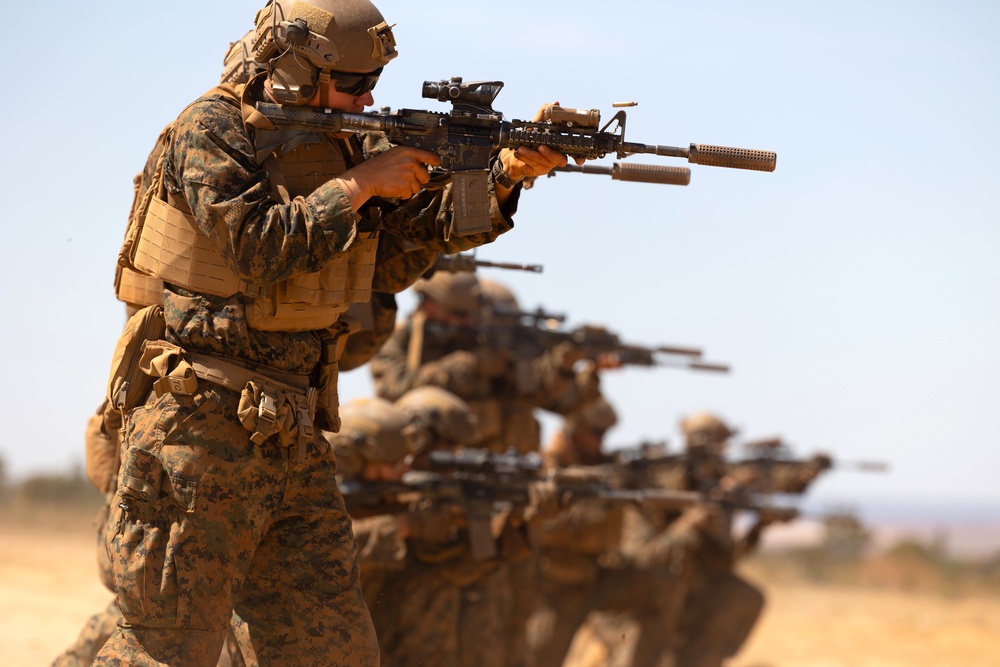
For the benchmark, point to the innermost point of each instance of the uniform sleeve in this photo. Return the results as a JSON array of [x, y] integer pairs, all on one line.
[[455, 372], [399, 263], [426, 218], [210, 164]]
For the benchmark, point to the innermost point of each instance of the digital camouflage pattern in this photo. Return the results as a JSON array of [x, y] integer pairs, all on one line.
[[207, 522], [204, 521], [211, 163], [584, 566], [502, 389], [440, 613], [377, 319]]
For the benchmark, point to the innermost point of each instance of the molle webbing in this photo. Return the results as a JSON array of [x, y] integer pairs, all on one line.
[[173, 249], [137, 289]]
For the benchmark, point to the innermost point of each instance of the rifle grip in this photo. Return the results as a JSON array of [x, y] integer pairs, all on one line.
[[650, 173], [470, 201], [734, 158]]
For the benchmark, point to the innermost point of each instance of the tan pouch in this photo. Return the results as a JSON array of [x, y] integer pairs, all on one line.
[[101, 443], [128, 386], [140, 205]]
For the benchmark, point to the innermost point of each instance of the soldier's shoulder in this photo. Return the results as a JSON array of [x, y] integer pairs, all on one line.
[[215, 112]]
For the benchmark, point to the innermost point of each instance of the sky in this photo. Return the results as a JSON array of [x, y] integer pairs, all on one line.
[[854, 290]]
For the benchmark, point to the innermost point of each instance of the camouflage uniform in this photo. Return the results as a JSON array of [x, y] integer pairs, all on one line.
[[432, 603], [721, 607], [583, 568], [503, 388], [499, 384], [206, 521]]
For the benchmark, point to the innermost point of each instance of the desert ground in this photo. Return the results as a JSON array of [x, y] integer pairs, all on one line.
[[48, 588]]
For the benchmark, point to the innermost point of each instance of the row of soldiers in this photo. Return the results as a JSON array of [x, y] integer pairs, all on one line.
[[464, 373], [259, 262]]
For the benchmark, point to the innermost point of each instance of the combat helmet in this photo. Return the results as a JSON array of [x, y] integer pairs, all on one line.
[[239, 66], [598, 416], [704, 429], [443, 416], [306, 43], [498, 299], [457, 292], [372, 430]]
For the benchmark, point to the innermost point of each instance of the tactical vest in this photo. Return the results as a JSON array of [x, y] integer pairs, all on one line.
[[168, 245]]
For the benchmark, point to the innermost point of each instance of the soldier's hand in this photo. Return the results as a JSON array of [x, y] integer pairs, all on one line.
[[565, 355], [525, 162], [398, 173], [608, 361], [545, 500]]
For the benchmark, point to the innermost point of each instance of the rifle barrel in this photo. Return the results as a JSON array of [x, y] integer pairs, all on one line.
[[679, 350], [863, 466], [534, 268]]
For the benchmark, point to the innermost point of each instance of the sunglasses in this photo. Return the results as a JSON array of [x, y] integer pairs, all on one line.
[[355, 84]]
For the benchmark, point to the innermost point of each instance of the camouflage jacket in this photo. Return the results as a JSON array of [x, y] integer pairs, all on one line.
[[481, 376], [210, 162]]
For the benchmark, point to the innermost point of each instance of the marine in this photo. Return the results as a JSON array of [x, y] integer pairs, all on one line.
[[226, 493]]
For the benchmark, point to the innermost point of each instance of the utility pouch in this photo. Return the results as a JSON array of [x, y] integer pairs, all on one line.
[[101, 457], [128, 386], [169, 367]]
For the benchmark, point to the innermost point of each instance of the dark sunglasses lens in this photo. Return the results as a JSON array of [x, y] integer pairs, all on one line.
[[357, 84]]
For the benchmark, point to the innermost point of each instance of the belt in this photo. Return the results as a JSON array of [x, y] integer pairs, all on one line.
[[275, 387]]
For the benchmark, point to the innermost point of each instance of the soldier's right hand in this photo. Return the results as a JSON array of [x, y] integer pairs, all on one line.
[[398, 173]]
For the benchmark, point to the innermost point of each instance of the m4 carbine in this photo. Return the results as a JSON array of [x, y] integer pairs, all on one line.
[[468, 138]]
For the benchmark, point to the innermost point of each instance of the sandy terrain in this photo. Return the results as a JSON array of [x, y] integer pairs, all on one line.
[[48, 588], [811, 626]]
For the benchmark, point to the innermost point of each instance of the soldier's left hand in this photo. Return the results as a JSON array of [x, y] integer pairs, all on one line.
[[525, 162]]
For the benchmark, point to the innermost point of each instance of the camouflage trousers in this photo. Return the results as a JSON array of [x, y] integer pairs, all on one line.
[[424, 619], [717, 619], [237, 651], [206, 522], [94, 635], [652, 597]]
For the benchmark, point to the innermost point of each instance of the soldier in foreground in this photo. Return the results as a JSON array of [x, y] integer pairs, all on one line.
[[227, 497]]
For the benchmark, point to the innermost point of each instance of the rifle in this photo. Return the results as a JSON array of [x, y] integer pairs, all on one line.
[[781, 472], [774, 450], [459, 263], [533, 335], [468, 138]]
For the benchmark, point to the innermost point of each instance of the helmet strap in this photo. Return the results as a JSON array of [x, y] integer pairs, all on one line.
[[324, 88]]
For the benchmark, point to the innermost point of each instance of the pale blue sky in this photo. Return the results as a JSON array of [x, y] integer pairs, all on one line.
[[854, 290]]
